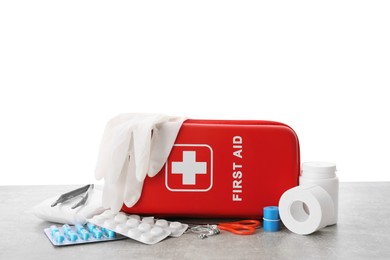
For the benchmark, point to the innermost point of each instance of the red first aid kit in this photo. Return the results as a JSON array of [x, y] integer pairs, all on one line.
[[223, 169]]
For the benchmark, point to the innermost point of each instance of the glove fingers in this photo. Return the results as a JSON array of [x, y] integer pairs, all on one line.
[[131, 134], [119, 152], [133, 186], [117, 201], [108, 190], [142, 136], [142, 143], [164, 136], [113, 193], [104, 156]]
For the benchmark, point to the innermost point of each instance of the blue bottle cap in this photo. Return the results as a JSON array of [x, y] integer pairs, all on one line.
[[271, 213], [271, 221]]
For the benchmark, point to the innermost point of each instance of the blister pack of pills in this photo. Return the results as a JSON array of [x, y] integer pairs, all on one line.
[[146, 230], [80, 234]]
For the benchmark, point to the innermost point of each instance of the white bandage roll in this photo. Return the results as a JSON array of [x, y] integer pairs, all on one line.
[[306, 209]]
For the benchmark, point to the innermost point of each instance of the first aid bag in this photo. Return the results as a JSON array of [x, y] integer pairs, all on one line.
[[223, 168]]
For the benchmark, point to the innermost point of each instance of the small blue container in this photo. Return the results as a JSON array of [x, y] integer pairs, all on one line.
[[271, 220]]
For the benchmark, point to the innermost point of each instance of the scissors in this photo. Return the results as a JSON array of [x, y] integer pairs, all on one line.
[[241, 227]]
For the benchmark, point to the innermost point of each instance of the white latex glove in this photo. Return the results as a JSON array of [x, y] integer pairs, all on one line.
[[132, 146]]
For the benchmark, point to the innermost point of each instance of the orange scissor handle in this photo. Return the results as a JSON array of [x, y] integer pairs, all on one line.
[[242, 227], [248, 222]]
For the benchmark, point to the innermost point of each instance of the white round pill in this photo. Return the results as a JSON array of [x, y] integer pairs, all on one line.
[[135, 217], [175, 225], [120, 218], [133, 233], [146, 237], [110, 224], [121, 228], [132, 222], [162, 223], [149, 220], [156, 231], [144, 227]]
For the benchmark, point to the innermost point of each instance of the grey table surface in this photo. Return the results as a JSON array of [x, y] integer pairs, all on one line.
[[363, 232]]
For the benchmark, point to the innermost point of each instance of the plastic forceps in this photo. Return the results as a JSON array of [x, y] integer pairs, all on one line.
[[73, 194], [241, 227]]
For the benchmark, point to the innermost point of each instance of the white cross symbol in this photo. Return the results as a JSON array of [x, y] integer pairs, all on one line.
[[189, 167]]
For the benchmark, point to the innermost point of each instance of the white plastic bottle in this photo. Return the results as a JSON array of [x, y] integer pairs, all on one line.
[[322, 174]]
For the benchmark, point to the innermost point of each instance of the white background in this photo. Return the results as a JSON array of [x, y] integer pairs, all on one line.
[[66, 67]]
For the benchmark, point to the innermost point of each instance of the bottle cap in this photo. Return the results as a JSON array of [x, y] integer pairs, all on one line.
[[319, 169], [271, 221], [271, 213]]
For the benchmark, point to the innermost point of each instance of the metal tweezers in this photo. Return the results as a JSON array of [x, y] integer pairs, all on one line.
[[73, 194]]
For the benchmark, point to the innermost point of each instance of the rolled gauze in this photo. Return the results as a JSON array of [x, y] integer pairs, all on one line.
[[306, 209]]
